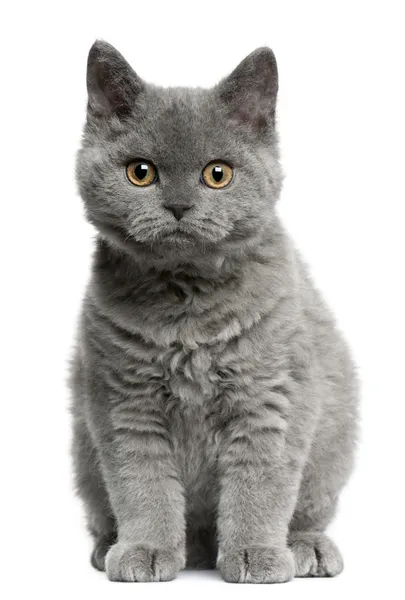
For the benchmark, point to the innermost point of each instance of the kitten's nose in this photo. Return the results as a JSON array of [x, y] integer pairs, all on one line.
[[177, 209]]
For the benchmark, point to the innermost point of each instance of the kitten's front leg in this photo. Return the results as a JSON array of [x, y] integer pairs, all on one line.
[[145, 492], [259, 478]]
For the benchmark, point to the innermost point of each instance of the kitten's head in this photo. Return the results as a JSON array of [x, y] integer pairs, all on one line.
[[179, 171]]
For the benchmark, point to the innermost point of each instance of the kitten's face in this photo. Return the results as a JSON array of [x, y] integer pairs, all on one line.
[[174, 134]]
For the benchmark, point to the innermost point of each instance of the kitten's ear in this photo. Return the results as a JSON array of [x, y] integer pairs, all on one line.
[[112, 85], [250, 91]]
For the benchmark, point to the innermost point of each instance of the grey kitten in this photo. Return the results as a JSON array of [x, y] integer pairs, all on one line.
[[214, 401]]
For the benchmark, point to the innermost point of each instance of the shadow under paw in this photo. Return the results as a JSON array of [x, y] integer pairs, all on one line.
[[315, 555]]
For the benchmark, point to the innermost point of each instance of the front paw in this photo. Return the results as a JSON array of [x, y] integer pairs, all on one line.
[[257, 565], [128, 562]]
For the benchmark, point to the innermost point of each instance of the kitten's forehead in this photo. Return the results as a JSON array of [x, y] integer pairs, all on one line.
[[180, 126]]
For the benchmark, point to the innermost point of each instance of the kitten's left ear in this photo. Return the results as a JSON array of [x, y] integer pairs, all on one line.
[[112, 84], [250, 91]]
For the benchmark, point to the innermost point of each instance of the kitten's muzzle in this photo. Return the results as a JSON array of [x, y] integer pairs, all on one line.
[[178, 210]]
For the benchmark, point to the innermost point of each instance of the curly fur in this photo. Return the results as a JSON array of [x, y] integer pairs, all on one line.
[[214, 401]]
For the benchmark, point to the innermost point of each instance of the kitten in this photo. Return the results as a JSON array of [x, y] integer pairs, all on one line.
[[214, 401]]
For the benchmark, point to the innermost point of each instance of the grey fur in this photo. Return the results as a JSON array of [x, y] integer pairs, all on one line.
[[214, 401]]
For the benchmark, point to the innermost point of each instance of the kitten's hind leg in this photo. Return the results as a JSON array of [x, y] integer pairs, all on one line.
[[325, 475], [91, 489], [315, 555], [101, 547]]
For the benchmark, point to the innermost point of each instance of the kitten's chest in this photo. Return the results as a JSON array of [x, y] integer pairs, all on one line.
[[190, 376], [195, 440], [193, 405], [175, 339]]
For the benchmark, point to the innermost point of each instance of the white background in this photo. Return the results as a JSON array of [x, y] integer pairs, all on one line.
[[341, 119]]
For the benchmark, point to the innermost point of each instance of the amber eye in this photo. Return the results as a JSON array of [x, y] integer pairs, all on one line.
[[217, 174], [141, 172]]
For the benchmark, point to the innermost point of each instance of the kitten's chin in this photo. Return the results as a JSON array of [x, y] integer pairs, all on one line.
[[186, 239], [180, 244], [182, 240]]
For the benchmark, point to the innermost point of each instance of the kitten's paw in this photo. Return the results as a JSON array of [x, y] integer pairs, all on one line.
[[126, 562], [257, 565], [101, 547], [315, 555]]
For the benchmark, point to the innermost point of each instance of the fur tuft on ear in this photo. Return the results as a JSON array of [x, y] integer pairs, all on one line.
[[112, 84], [250, 91]]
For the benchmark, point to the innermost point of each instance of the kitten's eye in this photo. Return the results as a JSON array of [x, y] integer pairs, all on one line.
[[141, 172], [217, 174]]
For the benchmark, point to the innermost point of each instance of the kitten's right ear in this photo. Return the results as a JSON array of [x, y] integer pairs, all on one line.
[[112, 85]]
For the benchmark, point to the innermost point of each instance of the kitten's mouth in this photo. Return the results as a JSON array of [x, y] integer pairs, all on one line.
[[190, 233], [181, 236]]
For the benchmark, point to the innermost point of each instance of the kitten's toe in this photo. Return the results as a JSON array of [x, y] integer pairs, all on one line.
[[101, 547], [315, 555], [127, 562], [257, 565]]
